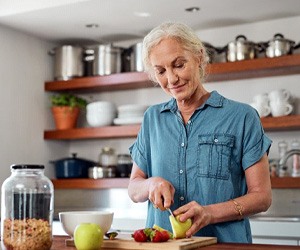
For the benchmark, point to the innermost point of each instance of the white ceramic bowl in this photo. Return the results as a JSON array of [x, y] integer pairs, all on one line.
[[70, 220], [101, 106], [98, 119]]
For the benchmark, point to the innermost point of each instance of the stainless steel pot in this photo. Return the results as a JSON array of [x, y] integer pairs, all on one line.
[[241, 49], [215, 54], [136, 61], [279, 46], [106, 59], [68, 62]]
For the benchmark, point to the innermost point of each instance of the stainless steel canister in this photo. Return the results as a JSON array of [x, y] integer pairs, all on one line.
[[68, 62], [136, 62], [107, 60]]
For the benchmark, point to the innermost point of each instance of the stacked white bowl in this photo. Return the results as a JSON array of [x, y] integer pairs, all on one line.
[[100, 113], [130, 114]]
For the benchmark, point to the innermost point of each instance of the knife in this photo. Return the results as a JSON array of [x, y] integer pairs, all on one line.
[[169, 210]]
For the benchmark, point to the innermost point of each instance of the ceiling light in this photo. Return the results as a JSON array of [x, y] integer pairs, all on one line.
[[92, 25], [142, 14], [192, 9]]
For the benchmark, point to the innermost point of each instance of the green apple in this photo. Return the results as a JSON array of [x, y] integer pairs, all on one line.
[[179, 228], [88, 236]]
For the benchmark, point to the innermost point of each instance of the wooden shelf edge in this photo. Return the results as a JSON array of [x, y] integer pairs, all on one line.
[[254, 68], [277, 183], [290, 122], [104, 183], [121, 81], [108, 132], [285, 182]]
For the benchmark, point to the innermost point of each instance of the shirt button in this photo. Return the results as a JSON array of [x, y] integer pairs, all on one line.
[[180, 171], [182, 144], [189, 122], [216, 140], [181, 198]]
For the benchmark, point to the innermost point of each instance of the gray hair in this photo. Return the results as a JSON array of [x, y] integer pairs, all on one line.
[[181, 33]]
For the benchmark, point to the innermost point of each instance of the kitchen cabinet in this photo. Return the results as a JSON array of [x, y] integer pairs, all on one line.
[[260, 67]]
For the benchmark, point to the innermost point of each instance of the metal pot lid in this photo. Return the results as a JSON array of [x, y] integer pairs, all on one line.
[[241, 39], [279, 37]]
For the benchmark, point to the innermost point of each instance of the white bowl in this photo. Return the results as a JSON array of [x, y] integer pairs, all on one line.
[[70, 220], [100, 119], [101, 106]]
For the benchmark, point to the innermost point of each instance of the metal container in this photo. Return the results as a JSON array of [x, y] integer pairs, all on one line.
[[107, 60], [98, 172], [136, 61], [68, 62], [241, 49], [279, 46]]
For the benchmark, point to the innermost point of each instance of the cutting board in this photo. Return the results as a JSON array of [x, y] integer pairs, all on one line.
[[180, 244]]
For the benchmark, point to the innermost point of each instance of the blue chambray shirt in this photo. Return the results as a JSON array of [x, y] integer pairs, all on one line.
[[205, 159]]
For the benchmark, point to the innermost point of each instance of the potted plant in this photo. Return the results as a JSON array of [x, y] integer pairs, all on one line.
[[65, 109]]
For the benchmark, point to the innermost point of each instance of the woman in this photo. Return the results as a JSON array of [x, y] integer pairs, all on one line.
[[200, 154]]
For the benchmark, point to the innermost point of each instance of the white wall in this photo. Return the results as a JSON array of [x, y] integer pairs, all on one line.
[[24, 109]]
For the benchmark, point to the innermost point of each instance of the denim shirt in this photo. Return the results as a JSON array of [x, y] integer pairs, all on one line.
[[205, 159]]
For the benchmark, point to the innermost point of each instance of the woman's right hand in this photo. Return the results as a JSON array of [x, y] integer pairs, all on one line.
[[161, 192]]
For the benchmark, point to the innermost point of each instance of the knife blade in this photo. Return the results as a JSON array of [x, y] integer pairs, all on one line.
[[169, 210]]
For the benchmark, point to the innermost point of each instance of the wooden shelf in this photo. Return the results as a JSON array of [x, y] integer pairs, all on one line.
[[260, 67], [108, 132], [285, 182], [289, 122], [282, 183], [122, 81], [131, 131], [90, 183]]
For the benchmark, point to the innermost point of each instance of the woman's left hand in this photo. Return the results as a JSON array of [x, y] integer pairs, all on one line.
[[199, 215]]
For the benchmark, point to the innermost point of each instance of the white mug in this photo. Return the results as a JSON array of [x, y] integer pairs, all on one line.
[[262, 109], [280, 108], [279, 95], [261, 98]]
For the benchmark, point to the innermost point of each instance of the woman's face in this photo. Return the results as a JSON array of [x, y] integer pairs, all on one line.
[[175, 69]]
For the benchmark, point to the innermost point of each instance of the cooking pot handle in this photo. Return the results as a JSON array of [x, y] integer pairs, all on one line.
[[51, 52], [297, 46], [278, 35], [239, 37]]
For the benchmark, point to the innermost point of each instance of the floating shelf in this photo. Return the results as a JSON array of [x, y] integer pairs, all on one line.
[[260, 67], [284, 182]]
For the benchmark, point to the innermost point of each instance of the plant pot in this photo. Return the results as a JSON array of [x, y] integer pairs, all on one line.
[[65, 117]]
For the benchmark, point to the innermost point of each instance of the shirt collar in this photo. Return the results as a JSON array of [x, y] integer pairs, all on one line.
[[215, 100]]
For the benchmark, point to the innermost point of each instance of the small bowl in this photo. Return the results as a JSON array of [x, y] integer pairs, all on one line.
[[70, 220]]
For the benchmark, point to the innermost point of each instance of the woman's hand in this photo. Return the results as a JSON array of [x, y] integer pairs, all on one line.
[[161, 192], [200, 216]]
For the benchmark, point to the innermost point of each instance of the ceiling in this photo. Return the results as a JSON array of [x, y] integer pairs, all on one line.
[[64, 21]]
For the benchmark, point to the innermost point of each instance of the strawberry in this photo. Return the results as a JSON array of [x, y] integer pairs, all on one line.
[[142, 235], [157, 236]]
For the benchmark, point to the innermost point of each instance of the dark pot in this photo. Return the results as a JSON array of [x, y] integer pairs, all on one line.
[[72, 167]]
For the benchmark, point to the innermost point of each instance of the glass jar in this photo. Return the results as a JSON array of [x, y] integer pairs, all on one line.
[[107, 157], [296, 159], [124, 165], [282, 149], [26, 209]]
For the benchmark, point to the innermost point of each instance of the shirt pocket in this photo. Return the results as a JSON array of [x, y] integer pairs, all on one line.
[[214, 155]]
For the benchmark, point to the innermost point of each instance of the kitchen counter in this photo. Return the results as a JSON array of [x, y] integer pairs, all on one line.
[[59, 244]]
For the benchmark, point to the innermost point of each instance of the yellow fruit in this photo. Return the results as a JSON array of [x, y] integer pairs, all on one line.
[[179, 228]]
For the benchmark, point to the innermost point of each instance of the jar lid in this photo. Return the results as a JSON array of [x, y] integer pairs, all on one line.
[[27, 166]]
